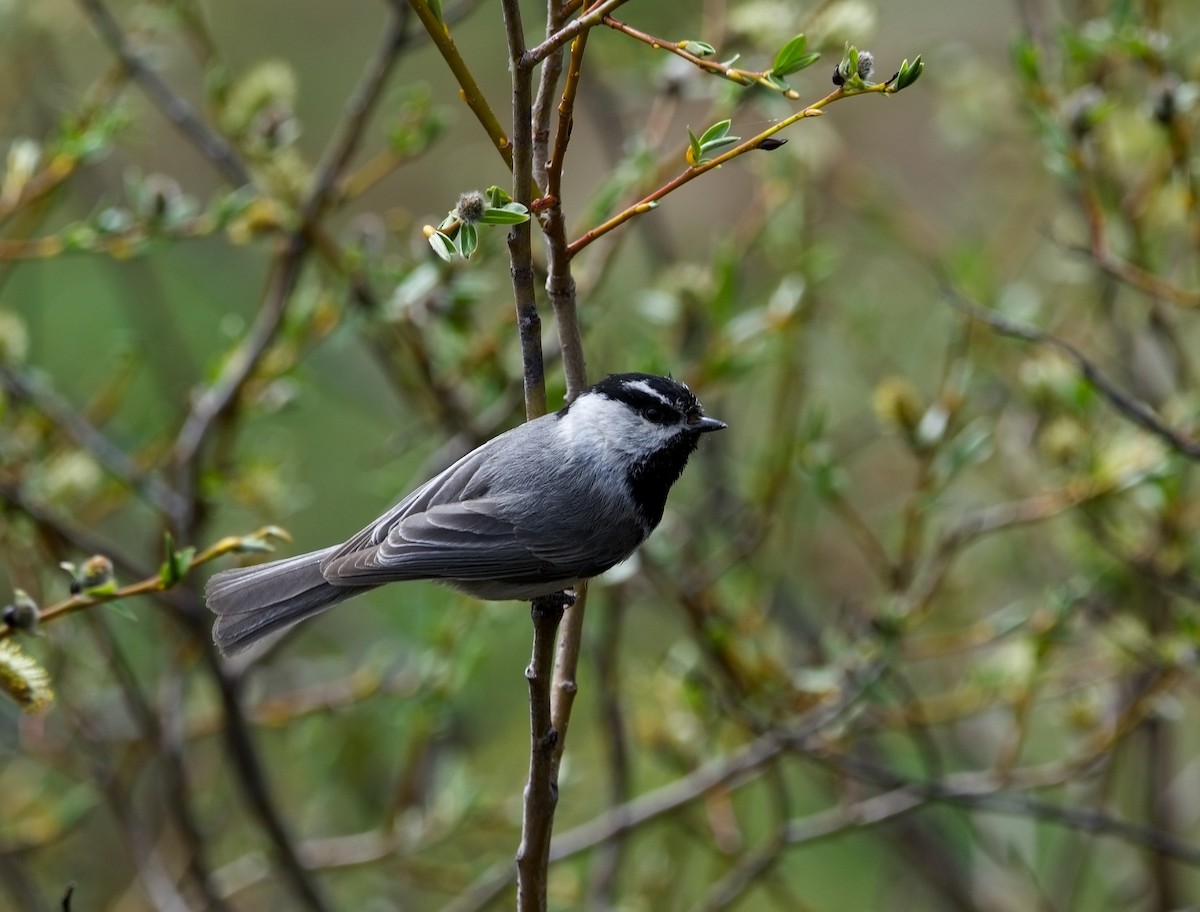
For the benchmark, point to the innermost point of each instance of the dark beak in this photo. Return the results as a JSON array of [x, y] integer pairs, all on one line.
[[703, 424]]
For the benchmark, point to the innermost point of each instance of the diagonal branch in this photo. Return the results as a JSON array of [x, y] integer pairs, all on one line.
[[219, 398], [171, 104], [471, 93], [1132, 409], [90, 438]]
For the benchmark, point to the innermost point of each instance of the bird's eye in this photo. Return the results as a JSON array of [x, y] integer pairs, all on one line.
[[653, 413]]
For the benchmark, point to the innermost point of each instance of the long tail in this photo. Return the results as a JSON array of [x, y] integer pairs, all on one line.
[[251, 602]]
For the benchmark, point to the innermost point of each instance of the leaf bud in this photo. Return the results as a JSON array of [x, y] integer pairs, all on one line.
[[23, 613]]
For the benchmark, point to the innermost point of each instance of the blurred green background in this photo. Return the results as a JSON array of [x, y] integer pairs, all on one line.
[[808, 558]]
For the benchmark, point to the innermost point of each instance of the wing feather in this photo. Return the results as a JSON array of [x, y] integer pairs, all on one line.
[[470, 524]]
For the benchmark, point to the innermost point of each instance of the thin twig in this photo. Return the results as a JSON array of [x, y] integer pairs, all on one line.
[[567, 33], [88, 437], [219, 398], [678, 48], [543, 104], [169, 102], [649, 202], [191, 612], [560, 283], [1132, 409], [471, 93], [357, 113], [176, 789]]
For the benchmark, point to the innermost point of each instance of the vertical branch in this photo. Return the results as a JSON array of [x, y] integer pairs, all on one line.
[[560, 283], [547, 85], [541, 788], [541, 791], [520, 239]]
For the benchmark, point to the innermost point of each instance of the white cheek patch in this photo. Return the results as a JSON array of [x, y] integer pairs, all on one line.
[[586, 420], [595, 424]]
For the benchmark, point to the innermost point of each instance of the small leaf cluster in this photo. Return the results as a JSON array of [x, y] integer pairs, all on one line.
[[853, 73], [417, 122], [908, 73], [94, 577], [791, 58], [457, 235], [176, 562], [700, 148]]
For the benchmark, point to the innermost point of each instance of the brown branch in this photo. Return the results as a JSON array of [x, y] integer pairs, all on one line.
[[733, 74], [1137, 277], [520, 238], [566, 666], [649, 202], [728, 772], [560, 283], [590, 19], [541, 790], [543, 104]]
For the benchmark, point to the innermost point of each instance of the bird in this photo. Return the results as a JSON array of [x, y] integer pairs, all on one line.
[[533, 511]]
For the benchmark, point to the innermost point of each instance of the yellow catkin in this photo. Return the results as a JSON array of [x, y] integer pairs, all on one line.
[[23, 679]]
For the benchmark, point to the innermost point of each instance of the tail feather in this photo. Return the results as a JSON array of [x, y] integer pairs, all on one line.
[[252, 602]]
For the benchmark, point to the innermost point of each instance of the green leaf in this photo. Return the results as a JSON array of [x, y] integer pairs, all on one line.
[[792, 57], [805, 62], [693, 153], [1026, 58], [715, 137], [716, 132], [715, 144], [442, 246], [468, 240], [497, 197], [698, 48], [260, 541], [512, 214], [177, 562], [435, 7], [909, 73], [779, 85]]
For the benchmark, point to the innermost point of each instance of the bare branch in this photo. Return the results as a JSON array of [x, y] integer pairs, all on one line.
[[88, 437], [171, 104], [541, 791], [1132, 409]]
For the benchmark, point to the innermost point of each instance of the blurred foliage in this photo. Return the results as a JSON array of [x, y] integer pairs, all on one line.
[[920, 631]]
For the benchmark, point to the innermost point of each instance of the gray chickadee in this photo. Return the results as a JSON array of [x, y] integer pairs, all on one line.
[[555, 500]]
